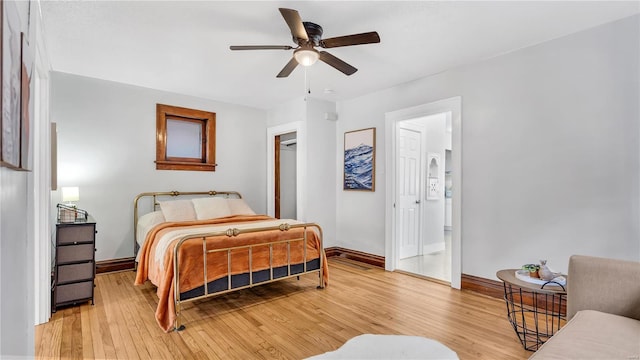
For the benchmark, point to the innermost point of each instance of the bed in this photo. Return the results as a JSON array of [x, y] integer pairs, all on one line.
[[211, 243]]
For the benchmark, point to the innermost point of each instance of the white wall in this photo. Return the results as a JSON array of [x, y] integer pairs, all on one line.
[[288, 112], [18, 229], [550, 152], [16, 315], [317, 146], [360, 214], [107, 147], [321, 168]]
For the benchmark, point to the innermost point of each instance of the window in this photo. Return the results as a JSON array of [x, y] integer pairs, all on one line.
[[185, 139]]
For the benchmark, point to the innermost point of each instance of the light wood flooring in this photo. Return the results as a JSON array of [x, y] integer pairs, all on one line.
[[290, 319]]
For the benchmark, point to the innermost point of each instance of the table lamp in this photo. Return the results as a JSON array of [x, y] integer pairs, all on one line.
[[70, 194]]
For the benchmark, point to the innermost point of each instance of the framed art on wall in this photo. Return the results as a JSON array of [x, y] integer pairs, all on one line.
[[360, 159], [26, 104], [11, 72], [17, 104]]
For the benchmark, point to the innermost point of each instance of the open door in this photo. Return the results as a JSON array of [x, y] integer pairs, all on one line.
[[285, 158], [409, 170]]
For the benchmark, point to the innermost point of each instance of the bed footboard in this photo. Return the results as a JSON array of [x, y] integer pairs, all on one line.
[[253, 277]]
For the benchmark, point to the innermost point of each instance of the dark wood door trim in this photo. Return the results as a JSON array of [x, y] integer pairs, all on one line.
[[277, 176]]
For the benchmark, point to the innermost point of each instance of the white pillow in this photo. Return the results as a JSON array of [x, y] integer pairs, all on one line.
[[178, 210], [239, 207], [211, 208], [151, 219], [146, 222]]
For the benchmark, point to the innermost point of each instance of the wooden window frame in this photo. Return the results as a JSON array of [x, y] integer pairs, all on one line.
[[208, 120]]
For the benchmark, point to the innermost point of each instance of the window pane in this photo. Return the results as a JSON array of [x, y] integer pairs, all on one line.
[[184, 139]]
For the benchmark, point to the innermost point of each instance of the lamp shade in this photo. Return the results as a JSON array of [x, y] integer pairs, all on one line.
[[70, 194], [306, 57]]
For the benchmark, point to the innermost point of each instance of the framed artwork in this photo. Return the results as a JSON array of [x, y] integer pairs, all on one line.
[[26, 104], [10, 85], [360, 159], [16, 100]]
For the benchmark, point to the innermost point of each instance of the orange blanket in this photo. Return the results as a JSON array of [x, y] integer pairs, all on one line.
[[191, 272]]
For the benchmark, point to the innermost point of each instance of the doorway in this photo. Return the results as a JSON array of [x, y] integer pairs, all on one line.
[[293, 188], [285, 176], [439, 247], [424, 242]]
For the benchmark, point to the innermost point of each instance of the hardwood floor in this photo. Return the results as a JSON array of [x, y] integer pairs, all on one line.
[[289, 319]]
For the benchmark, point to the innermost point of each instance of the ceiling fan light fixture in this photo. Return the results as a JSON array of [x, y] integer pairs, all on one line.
[[306, 57], [307, 35]]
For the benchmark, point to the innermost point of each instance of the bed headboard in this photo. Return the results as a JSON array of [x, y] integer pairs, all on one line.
[[156, 197]]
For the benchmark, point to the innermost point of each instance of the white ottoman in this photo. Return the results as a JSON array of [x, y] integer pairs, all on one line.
[[369, 346]]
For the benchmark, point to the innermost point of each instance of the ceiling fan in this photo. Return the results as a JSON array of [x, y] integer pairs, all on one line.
[[307, 35]]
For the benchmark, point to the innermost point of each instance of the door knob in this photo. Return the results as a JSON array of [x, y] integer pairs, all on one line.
[[417, 201]]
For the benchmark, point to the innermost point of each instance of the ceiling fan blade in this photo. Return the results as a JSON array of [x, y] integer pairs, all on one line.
[[287, 69], [348, 40], [294, 21], [260, 47], [337, 63]]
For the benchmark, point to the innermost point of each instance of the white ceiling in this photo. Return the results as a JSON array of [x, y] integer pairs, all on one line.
[[183, 46]]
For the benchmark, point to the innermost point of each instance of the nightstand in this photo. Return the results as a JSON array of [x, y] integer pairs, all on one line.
[[536, 310], [75, 265]]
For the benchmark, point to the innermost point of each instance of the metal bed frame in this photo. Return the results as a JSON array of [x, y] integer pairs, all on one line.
[[233, 232]]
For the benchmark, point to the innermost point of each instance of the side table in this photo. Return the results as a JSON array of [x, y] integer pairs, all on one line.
[[75, 265], [535, 311]]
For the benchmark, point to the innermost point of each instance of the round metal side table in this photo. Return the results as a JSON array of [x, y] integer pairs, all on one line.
[[535, 311]]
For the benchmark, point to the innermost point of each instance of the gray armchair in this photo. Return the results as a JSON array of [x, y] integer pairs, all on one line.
[[603, 312]]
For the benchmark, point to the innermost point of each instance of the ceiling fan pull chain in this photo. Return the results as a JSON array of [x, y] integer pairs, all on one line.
[[307, 83]]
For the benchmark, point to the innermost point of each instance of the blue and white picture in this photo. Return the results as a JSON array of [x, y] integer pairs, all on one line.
[[359, 159]]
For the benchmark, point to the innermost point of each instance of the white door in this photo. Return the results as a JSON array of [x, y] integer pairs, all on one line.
[[408, 207]]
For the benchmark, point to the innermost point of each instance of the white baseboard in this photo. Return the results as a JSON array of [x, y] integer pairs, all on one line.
[[433, 248]]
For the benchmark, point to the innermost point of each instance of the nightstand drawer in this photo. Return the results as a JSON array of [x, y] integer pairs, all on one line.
[[75, 272], [71, 292], [74, 253], [75, 234]]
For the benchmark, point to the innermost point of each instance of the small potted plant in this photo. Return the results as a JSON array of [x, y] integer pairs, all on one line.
[[532, 269]]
